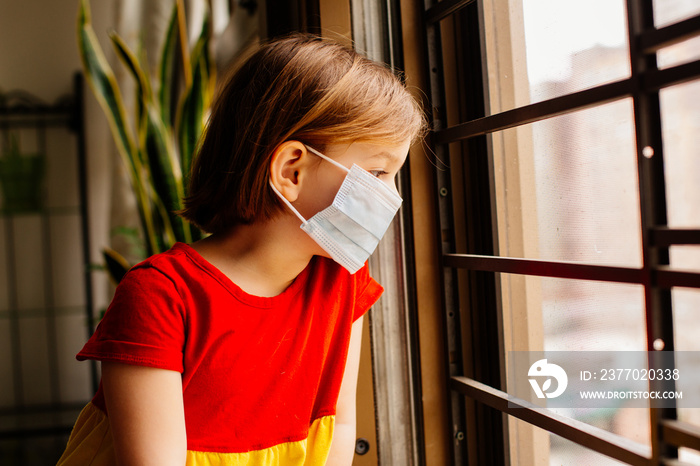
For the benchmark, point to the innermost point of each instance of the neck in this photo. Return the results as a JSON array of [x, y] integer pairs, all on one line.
[[257, 257]]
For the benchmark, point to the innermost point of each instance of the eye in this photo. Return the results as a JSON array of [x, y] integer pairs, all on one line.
[[378, 173]]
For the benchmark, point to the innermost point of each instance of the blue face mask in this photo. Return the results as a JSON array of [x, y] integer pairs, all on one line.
[[350, 228]]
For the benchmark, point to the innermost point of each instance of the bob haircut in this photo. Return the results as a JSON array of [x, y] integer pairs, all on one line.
[[300, 88]]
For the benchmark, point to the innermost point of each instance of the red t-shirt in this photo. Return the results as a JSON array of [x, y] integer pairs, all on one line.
[[256, 371]]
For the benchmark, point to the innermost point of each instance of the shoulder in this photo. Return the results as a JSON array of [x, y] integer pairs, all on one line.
[[170, 262], [159, 281], [169, 266]]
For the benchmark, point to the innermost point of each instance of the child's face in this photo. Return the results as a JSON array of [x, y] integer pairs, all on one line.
[[324, 178], [380, 160]]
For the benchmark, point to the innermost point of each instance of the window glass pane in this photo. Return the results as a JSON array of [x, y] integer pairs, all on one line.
[[540, 49], [571, 192], [680, 122], [678, 54], [592, 316], [681, 136], [672, 11], [689, 456], [532, 445], [565, 452], [686, 324], [552, 314]]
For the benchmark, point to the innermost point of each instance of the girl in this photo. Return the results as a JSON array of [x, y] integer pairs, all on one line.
[[243, 348]]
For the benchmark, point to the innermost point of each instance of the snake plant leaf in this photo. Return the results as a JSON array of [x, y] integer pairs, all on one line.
[[196, 99], [157, 154], [101, 78], [165, 222], [166, 175], [143, 88], [184, 50], [166, 69], [162, 122], [104, 85], [190, 119], [117, 266]]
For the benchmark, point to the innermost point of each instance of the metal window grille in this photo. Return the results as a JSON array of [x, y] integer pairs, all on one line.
[[655, 275]]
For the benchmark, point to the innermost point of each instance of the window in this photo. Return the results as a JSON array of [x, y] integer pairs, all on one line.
[[565, 184]]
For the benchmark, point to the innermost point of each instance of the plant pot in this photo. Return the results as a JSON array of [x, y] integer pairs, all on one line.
[[21, 180]]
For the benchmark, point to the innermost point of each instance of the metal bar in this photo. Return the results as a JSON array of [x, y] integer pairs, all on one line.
[[540, 268], [665, 236], [652, 201], [652, 40], [49, 313], [486, 440], [593, 438], [78, 126], [451, 317], [443, 9], [31, 116], [655, 80], [664, 277], [13, 302], [26, 123], [681, 434], [667, 278], [39, 112], [535, 112]]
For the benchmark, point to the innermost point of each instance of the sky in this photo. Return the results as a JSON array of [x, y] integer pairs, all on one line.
[[555, 29]]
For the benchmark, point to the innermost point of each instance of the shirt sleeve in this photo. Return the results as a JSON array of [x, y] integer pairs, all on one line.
[[368, 292], [144, 325]]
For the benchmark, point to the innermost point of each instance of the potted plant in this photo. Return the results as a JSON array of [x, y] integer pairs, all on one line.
[[158, 143], [21, 177]]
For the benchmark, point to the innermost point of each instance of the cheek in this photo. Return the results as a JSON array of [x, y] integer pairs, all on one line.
[[319, 193], [392, 184]]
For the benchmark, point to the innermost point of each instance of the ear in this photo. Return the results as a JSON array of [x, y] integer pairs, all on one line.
[[288, 168]]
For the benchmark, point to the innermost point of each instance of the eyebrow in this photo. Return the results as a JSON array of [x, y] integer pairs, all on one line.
[[384, 155]]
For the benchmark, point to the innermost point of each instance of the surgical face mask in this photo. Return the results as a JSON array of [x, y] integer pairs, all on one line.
[[350, 228]]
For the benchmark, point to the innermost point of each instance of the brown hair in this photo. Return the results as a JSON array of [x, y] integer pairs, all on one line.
[[298, 88]]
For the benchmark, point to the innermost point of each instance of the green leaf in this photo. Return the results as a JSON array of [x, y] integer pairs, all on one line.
[[196, 98], [165, 173], [182, 32], [190, 120], [143, 88], [166, 70], [153, 156], [101, 78], [116, 265], [104, 85]]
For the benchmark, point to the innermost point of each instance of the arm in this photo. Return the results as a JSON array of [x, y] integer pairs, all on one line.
[[343, 444], [146, 414]]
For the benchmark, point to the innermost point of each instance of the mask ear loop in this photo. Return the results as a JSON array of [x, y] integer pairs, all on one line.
[[286, 201], [289, 204], [328, 159]]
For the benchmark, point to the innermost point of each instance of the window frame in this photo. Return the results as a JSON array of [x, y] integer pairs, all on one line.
[[655, 275]]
